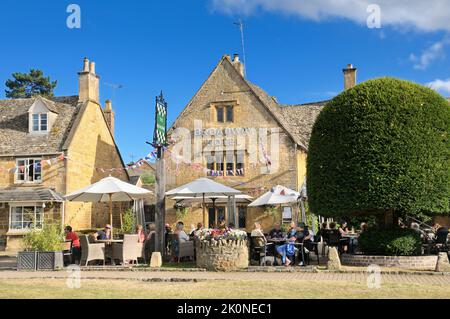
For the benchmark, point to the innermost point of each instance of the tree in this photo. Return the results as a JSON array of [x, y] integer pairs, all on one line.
[[381, 148], [26, 85]]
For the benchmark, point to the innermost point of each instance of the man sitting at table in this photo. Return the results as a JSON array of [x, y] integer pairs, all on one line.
[[103, 234], [76, 248], [303, 236], [276, 232]]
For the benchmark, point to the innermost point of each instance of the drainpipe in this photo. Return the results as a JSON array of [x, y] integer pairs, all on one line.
[[62, 215]]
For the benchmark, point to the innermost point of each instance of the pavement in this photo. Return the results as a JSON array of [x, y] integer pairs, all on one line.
[[176, 276]]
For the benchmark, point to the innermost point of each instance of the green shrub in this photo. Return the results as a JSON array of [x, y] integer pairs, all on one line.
[[148, 179], [390, 242], [49, 238], [128, 222], [382, 145]]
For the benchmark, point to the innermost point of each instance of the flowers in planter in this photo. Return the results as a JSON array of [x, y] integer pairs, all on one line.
[[219, 234]]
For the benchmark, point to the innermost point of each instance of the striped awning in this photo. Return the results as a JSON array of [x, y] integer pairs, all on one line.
[[26, 194]]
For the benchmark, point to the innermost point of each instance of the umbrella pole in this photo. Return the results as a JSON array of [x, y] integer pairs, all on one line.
[[204, 212], [110, 215]]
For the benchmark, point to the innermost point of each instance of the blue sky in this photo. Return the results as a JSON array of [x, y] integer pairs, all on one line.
[[147, 46]]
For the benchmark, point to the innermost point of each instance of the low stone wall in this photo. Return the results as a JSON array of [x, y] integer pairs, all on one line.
[[404, 262], [222, 255]]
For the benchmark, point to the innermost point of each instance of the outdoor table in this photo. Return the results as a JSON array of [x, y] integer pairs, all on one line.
[[108, 248], [351, 240], [276, 242]]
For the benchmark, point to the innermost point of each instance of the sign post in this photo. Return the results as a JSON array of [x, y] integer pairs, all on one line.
[[159, 142]]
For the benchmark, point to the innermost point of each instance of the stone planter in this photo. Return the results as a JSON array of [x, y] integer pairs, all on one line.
[[222, 255], [26, 260]]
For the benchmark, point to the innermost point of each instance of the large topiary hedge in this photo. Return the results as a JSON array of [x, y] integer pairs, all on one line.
[[390, 242], [382, 145]]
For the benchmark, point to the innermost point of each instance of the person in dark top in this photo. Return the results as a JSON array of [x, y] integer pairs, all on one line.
[[103, 234], [441, 233], [303, 236], [321, 234], [276, 232]]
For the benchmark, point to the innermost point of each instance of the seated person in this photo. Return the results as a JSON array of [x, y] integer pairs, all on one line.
[[231, 226], [287, 249], [345, 241], [304, 236], [222, 225], [150, 241], [292, 230], [321, 234], [441, 233], [103, 234], [276, 232], [257, 232], [76, 247], [199, 227], [333, 236], [141, 233], [183, 237]]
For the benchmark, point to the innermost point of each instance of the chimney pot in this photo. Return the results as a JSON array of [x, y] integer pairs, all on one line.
[[349, 76], [92, 67], [108, 106], [86, 65], [236, 57]]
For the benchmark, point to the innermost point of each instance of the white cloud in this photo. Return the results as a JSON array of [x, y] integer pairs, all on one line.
[[431, 15], [434, 52], [442, 86]]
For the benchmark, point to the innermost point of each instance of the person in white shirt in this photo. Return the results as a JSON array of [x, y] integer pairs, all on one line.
[[181, 233]]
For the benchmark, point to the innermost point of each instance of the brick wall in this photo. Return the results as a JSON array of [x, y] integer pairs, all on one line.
[[406, 262]]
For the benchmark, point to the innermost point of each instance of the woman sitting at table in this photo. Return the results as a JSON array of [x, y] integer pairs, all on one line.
[[183, 237], [345, 241], [257, 232], [141, 233]]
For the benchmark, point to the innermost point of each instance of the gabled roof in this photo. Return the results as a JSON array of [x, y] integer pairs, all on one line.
[[296, 120], [15, 138]]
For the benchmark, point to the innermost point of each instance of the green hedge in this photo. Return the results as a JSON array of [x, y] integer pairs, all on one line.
[[390, 242], [381, 145]]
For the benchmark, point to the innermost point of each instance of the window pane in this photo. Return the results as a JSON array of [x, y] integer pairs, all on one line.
[[35, 122], [21, 170], [219, 163], [230, 164], [37, 170], [30, 167], [219, 111], [229, 113], [39, 217], [209, 164], [28, 217], [43, 122]]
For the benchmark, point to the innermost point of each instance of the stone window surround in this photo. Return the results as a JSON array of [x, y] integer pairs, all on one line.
[[35, 205], [223, 104], [224, 164], [26, 170]]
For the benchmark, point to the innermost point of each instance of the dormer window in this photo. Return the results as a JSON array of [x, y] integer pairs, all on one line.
[[40, 123]]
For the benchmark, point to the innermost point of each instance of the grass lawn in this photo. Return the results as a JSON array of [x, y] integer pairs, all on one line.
[[57, 288]]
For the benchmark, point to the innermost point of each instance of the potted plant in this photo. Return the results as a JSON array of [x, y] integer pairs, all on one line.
[[42, 249], [128, 223]]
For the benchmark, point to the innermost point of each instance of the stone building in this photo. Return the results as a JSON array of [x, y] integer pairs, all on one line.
[[50, 147], [235, 133]]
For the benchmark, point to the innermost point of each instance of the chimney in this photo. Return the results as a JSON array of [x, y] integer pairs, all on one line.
[[238, 64], [349, 76], [109, 115], [88, 83]]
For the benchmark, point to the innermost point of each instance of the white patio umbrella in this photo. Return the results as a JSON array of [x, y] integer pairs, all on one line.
[[277, 195], [109, 189], [242, 198], [203, 187]]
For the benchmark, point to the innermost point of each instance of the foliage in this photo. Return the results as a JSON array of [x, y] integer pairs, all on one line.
[[148, 179], [272, 211], [26, 85], [49, 238], [218, 234], [390, 242], [128, 222], [181, 212], [382, 145]]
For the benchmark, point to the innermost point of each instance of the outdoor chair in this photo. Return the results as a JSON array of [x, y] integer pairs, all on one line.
[[90, 251], [181, 249], [66, 248], [440, 243], [149, 246], [129, 250], [259, 249], [332, 238]]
